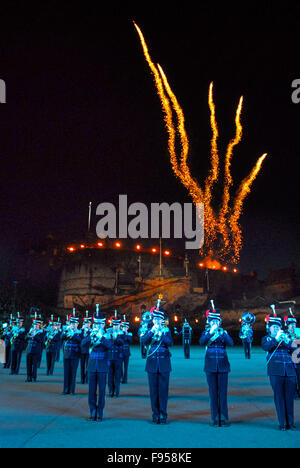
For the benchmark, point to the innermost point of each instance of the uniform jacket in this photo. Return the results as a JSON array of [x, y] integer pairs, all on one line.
[[159, 356], [19, 342], [98, 361], [54, 343], [249, 338], [116, 350], [72, 345], [127, 342], [281, 363], [216, 359], [35, 343], [85, 342]]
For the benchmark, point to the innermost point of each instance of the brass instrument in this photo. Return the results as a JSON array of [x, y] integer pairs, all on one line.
[[284, 337], [49, 337], [217, 332]]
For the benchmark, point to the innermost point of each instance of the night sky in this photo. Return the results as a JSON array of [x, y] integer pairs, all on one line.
[[83, 121]]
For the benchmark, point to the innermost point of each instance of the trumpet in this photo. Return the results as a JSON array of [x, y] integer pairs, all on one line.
[[284, 337], [70, 332], [49, 338], [96, 335], [158, 332], [217, 332]]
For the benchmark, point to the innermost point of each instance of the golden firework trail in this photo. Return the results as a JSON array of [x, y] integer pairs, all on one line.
[[243, 191], [228, 229]]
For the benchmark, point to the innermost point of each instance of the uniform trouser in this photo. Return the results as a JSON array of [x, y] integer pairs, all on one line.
[[50, 357], [15, 361], [7, 356], [32, 365], [284, 391], [97, 380], [159, 390], [57, 357], [125, 363], [247, 349], [114, 376], [186, 348], [218, 385], [84, 360], [70, 371], [40, 359]]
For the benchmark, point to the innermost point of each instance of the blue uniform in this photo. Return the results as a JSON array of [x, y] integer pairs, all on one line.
[[282, 375], [217, 367], [71, 360], [52, 344], [98, 367], [126, 354], [158, 367], [17, 347], [186, 333], [33, 352], [247, 342], [115, 356], [84, 356]]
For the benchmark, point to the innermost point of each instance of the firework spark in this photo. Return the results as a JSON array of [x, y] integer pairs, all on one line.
[[226, 224]]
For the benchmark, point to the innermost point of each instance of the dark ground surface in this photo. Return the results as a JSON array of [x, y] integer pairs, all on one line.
[[37, 415]]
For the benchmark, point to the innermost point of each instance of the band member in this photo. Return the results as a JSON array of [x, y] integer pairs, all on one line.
[[99, 343], [72, 339], [43, 341], [186, 333], [84, 347], [115, 356], [6, 336], [217, 366], [290, 324], [126, 349], [158, 365], [144, 328], [52, 342], [35, 339], [246, 332], [17, 344], [281, 370]]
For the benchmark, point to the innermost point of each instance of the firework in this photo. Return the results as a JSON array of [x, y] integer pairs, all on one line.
[[223, 228]]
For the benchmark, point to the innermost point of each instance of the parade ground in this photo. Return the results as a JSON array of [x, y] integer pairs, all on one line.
[[36, 415]]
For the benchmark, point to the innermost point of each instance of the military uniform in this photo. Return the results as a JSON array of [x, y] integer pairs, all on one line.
[[217, 367], [84, 349], [281, 372], [115, 357], [126, 351], [246, 332], [52, 344], [17, 346], [98, 367], [158, 366], [186, 333], [72, 340], [35, 339]]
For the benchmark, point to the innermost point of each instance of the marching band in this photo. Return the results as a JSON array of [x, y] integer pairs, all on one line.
[[104, 356]]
